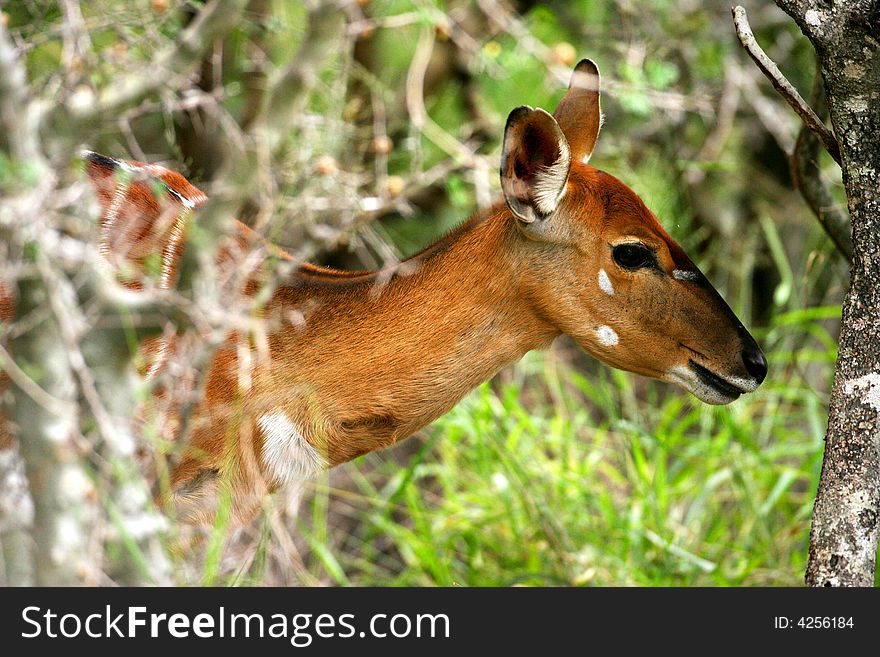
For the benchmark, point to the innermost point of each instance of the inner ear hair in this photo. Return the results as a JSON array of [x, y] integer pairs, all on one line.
[[535, 162]]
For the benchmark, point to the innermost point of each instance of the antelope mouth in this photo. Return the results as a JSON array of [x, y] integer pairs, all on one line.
[[715, 382], [707, 386]]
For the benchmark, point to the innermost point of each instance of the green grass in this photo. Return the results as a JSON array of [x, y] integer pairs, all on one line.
[[564, 472], [553, 477]]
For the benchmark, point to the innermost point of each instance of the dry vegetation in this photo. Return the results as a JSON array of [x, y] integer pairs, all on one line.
[[354, 133]]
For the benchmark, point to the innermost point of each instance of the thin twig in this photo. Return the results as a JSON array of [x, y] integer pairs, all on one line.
[[288, 96], [70, 324], [31, 388], [75, 39], [173, 63], [766, 108], [14, 107], [727, 106], [781, 84], [807, 178], [415, 103]]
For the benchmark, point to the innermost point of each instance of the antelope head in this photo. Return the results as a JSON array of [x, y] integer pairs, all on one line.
[[595, 262]]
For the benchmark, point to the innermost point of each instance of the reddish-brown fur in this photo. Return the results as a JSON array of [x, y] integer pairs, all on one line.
[[7, 314], [360, 360]]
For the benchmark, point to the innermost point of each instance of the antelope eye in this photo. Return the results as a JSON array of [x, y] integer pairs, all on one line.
[[633, 255]]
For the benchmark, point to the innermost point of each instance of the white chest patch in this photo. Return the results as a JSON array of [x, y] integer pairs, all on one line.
[[607, 336], [605, 283], [286, 454]]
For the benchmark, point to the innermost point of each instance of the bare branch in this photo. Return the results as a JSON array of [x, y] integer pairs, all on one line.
[[255, 82], [727, 106], [289, 94], [781, 84], [167, 68], [14, 107], [31, 388], [64, 508], [75, 37], [16, 519], [807, 178], [415, 103], [70, 325], [282, 104]]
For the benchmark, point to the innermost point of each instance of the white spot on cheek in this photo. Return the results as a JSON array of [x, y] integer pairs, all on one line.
[[296, 318], [607, 336], [870, 383], [288, 456], [683, 275], [605, 283]]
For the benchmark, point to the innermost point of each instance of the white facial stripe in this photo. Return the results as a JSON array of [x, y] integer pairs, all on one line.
[[607, 336], [605, 283], [684, 275], [550, 181], [287, 455]]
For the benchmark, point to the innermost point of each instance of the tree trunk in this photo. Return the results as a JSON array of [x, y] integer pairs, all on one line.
[[47, 423], [843, 540]]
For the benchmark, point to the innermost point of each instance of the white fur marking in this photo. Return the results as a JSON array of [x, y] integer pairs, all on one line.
[[605, 283], [688, 379], [286, 454], [683, 275], [170, 250], [296, 318], [112, 215], [607, 336], [161, 356], [550, 181], [746, 385]]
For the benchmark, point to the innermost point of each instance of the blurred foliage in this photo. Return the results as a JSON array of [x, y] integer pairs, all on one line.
[[559, 471]]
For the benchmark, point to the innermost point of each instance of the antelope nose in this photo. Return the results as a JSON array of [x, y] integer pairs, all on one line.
[[755, 363]]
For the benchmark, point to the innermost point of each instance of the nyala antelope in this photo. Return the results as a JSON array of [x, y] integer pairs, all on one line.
[[357, 361]]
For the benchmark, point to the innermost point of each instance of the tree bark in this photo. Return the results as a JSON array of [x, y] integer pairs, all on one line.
[[63, 506], [844, 535]]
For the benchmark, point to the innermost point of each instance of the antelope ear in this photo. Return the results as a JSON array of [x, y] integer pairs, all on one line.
[[578, 113], [535, 160]]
